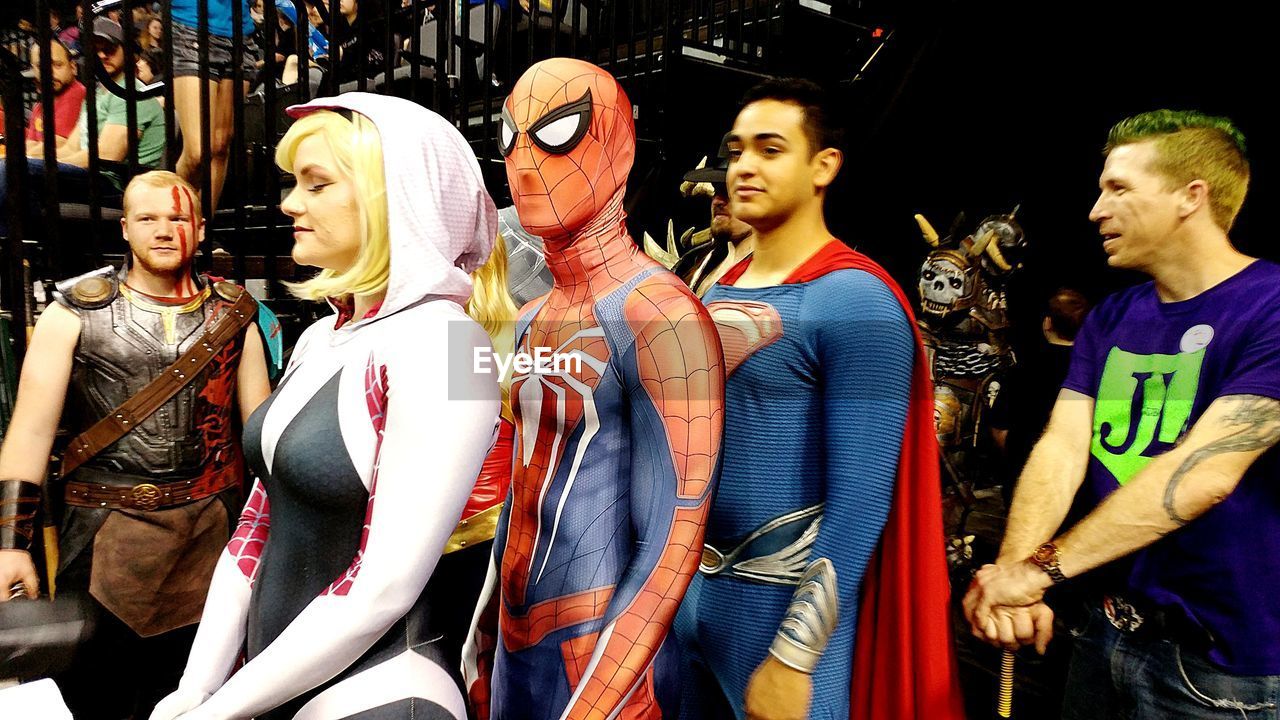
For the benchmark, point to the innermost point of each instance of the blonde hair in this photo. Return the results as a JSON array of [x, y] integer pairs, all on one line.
[[163, 179], [491, 304], [357, 149]]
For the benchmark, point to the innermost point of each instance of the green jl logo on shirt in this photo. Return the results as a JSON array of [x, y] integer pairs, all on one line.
[[1144, 399]]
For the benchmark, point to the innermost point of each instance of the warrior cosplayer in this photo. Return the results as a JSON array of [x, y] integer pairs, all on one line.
[[965, 325], [827, 532], [367, 452], [702, 257], [615, 460], [153, 362]]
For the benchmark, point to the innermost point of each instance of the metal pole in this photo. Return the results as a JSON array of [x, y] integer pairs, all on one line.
[[130, 87], [15, 291], [466, 65], [440, 83], [554, 22], [170, 121], [593, 31], [415, 47], [304, 53], [335, 46], [49, 210], [534, 7], [631, 44], [270, 103], [206, 160], [649, 72], [362, 53], [388, 46], [237, 164], [742, 27], [486, 87], [613, 37], [575, 7], [91, 122], [510, 78]]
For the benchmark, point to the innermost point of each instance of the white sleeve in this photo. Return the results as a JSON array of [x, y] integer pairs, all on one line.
[[222, 625], [432, 418]]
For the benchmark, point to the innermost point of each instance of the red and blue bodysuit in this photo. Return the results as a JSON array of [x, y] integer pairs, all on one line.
[[615, 458], [828, 496]]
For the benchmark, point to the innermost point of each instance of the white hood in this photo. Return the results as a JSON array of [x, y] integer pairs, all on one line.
[[441, 219]]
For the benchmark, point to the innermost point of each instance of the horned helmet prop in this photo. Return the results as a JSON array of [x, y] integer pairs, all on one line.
[[999, 242], [950, 279]]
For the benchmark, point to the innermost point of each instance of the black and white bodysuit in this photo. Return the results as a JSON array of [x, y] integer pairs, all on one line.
[[364, 465], [365, 455]]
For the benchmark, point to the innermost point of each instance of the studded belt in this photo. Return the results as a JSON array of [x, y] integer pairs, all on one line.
[[1141, 620], [1122, 616], [147, 496]]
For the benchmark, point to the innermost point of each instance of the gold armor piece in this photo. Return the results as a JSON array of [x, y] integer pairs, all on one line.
[[145, 496], [92, 290]]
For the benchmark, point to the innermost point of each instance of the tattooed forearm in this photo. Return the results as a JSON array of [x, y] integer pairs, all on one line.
[[1254, 424]]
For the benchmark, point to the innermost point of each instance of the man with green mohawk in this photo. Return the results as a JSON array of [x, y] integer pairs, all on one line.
[[1167, 424]]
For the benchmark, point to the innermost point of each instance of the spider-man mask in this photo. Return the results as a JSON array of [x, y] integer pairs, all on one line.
[[569, 140]]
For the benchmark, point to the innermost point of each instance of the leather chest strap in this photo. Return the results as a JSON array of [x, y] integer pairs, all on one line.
[[149, 399]]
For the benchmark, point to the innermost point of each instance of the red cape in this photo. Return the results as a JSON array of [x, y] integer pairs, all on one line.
[[904, 662]]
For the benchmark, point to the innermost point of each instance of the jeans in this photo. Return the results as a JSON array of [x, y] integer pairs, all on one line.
[[73, 186], [1129, 676]]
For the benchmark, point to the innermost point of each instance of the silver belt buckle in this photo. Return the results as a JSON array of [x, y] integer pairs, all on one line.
[[1123, 616]]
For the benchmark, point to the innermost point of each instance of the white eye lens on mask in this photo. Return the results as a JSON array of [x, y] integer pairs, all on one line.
[[559, 132], [506, 136], [561, 129]]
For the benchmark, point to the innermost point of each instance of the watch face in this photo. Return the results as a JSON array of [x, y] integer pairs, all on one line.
[[1045, 554]]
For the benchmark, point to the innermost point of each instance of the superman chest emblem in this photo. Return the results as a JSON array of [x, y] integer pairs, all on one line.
[[745, 328]]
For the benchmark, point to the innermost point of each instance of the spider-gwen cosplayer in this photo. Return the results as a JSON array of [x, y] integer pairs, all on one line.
[[368, 450], [615, 458]]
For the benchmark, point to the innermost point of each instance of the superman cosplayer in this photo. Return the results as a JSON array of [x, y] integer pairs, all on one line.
[[826, 526], [615, 459]]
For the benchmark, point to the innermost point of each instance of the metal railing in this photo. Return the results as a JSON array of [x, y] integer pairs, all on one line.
[[458, 57]]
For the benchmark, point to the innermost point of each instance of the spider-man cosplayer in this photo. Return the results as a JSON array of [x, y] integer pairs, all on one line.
[[838, 526], [614, 461]]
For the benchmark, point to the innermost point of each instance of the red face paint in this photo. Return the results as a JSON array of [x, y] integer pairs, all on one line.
[[191, 208], [186, 287], [196, 223]]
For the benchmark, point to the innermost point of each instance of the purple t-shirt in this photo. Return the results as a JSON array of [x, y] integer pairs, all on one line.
[[1153, 368]]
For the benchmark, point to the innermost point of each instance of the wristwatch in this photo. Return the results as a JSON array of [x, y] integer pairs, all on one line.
[[1046, 558]]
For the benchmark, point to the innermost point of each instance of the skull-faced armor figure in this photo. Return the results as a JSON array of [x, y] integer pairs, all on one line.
[[964, 321], [946, 283]]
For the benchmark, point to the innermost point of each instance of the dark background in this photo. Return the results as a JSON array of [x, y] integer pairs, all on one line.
[[974, 107], [978, 107]]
